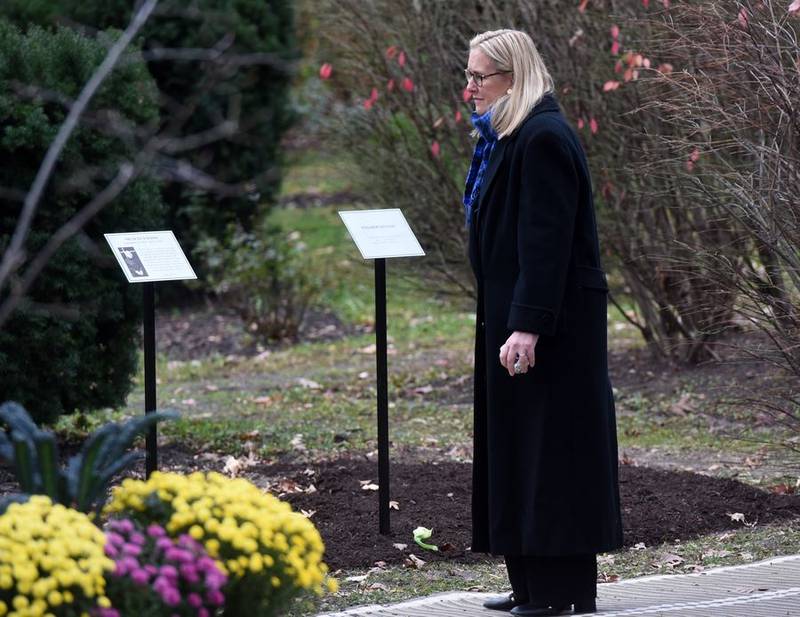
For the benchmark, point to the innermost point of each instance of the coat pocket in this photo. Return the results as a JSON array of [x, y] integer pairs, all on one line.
[[589, 277]]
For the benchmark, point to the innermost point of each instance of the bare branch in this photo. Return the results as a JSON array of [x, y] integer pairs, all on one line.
[[14, 254]]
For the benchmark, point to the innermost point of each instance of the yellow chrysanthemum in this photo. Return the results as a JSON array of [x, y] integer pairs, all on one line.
[[51, 560], [252, 535]]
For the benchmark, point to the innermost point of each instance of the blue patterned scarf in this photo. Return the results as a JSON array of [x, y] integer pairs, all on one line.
[[480, 159]]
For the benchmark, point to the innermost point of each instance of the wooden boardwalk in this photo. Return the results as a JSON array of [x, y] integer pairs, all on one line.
[[769, 588]]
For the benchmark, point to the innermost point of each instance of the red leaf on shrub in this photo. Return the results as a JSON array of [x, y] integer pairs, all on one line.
[[390, 85], [580, 123], [665, 68], [368, 103], [458, 116], [401, 58], [582, 5], [373, 95], [618, 66], [391, 52], [615, 48], [466, 95], [646, 3], [794, 7], [665, 3], [325, 71], [408, 85], [694, 155], [593, 126], [628, 76], [689, 166], [610, 85], [646, 63], [743, 18], [435, 148], [615, 31]]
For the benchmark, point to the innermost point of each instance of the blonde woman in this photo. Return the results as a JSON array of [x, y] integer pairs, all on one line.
[[545, 487]]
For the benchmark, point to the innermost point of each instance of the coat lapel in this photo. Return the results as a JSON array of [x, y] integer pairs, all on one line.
[[548, 103]]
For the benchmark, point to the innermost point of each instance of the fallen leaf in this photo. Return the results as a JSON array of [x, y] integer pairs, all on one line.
[[378, 587], [423, 390], [684, 405], [297, 443], [370, 487], [639, 546], [210, 387], [262, 400], [311, 489], [289, 486], [369, 349], [357, 579], [736, 516], [380, 565], [399, 546], [308, 383], [189, 401], [308, 513], [393, 505], [412, 561], [363, 375]]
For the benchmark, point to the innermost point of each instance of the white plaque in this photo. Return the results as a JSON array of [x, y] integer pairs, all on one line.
[[381, 233], [148, 256]]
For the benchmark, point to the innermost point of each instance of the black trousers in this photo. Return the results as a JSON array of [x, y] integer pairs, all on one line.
[[552, 581]]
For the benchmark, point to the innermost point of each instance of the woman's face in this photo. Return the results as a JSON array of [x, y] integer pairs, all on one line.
[[494, 84]]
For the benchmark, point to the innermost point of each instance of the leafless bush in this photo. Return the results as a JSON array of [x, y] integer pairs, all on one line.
[[735, 117]]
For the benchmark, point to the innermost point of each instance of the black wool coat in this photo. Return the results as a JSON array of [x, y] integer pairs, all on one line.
[[545, 472]]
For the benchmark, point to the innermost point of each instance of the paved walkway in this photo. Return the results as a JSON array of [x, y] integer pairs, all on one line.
[[768, 588]]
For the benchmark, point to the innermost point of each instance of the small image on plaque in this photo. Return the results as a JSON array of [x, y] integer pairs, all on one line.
[[132, 261]]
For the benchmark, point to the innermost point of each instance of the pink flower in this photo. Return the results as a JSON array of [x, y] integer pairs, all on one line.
[[435, 149], [645, 3], [156, 531], [615, 31], [401, 58], [194, 600], [140, 576], [593, 126], [215, 597], [408, 85], [325, 71], [610, 85], [615, 48], [581, 123]]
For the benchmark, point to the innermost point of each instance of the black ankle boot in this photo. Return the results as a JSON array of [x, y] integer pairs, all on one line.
[[502, 603], [584, 606]]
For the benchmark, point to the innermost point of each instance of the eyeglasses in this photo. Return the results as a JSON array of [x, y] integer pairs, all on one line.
[[478, 78]]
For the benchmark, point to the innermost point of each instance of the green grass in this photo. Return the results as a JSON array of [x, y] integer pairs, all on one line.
[[316, 171]]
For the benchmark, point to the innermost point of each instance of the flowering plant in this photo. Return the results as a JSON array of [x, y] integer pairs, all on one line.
[[51, 561], [156, 575], [269, 553]]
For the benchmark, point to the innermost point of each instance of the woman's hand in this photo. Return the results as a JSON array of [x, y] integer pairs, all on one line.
[[520, 345]]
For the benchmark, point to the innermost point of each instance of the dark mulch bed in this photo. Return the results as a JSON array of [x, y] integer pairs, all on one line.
[[658, 506], [198, 332]]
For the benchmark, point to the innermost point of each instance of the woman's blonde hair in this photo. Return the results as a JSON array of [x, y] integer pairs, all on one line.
[[513, 50]]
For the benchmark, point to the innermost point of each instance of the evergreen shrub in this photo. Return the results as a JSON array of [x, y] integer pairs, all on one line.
[[74, 344]]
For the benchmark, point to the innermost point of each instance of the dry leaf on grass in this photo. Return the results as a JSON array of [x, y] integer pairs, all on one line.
[[412, 561]]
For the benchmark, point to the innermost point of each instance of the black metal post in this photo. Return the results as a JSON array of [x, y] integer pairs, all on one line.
[[383, 396], [151, 440]]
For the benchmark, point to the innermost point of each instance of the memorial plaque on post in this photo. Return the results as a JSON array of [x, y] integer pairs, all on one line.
[[380, 235], [148, 257]]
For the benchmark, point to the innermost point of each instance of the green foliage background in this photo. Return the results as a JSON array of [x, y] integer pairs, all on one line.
[[54, 364], [206, 91]]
